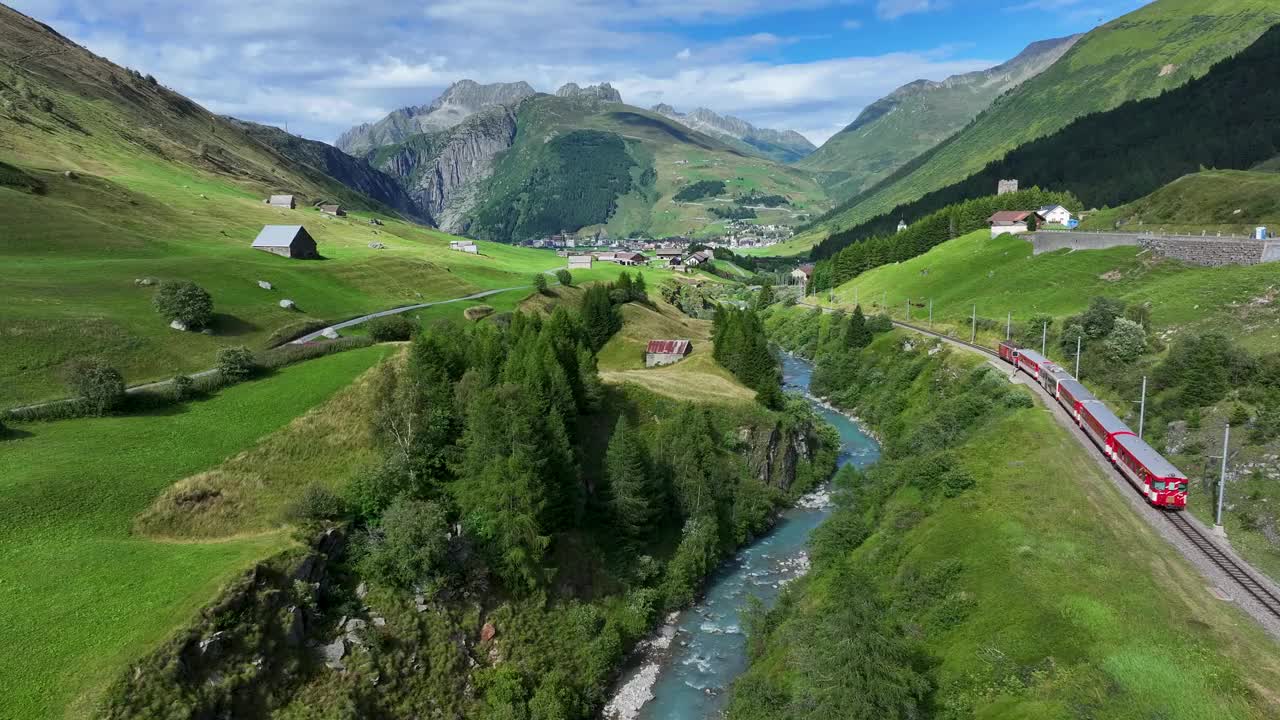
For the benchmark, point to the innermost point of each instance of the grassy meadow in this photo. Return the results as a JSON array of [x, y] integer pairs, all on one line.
[[1002, 276], [76, 252], [83, 593], [1230, 202]]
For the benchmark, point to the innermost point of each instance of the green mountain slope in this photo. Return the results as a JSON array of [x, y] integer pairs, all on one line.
[[554, 163], [107, 178], [918, 116], [1142, 54]]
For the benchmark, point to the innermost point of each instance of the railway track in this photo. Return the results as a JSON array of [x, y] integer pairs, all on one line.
[[1234, 570], [1240, 574]]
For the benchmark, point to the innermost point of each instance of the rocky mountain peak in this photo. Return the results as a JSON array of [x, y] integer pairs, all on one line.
[[603, 92], [781, 145], [474, 96]]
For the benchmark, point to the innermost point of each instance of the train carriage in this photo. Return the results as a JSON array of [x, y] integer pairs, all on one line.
[[1009, 353], [1163, 484], [1073, 395], [1052, 376], [1102, 426], [1032, 362]]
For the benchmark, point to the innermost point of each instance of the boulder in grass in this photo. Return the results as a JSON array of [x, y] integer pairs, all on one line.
[[333, 654], [144, 282], [178, 325], [330, 333], [488, 632], [288, 304], [375, 245], [264, 285]]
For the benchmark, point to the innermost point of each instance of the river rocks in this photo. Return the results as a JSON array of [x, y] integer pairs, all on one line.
[[329, 333], [488, 632], [178, 325], [264, 285], [288, 304]]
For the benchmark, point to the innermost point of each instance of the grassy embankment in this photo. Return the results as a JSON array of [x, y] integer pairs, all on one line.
[[1031, 594], [84, 590], [1230, 202], [1002, 275]]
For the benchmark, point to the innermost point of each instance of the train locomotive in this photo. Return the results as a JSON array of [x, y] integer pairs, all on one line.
[[1162, 484]]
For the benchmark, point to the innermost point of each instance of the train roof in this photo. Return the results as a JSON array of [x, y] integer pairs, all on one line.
[[1058, 373], [1077, 390], [1033, 356], [1107, 419], [1150, 459]]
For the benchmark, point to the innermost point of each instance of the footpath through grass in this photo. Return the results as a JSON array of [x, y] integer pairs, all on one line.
[[80, 595]]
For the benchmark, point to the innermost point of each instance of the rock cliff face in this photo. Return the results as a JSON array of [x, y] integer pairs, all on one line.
[[603, 92], [781, 145], [442, 172], [457, 103], [776, 453]]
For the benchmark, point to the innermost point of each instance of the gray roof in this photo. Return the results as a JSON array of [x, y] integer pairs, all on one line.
[[1076, 390], [1147, 455], [277, 235], [1106, 418], [281, 198], [1033, 356]]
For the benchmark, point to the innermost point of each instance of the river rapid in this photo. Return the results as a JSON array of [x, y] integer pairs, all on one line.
[[687, 667]]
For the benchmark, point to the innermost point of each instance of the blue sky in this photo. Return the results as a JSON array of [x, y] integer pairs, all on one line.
[[320, 66]]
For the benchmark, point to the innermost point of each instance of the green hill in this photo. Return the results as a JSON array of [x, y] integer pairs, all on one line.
[[1213, 201], [107, 178], [916, 117], [1159, 47]]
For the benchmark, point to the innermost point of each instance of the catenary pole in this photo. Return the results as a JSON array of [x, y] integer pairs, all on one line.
[[1008, 327], [930, 313], [1142, 407], [908, 309], [1044, 337], [1078, 338], [1222, 476], [973, 332]]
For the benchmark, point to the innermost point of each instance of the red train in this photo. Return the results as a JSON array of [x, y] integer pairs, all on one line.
[[1156, 478]]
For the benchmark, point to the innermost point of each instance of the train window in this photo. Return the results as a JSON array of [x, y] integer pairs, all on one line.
[[1159, 485]]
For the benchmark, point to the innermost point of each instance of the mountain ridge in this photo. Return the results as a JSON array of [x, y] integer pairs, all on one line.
[[779, 145], [918, 115]]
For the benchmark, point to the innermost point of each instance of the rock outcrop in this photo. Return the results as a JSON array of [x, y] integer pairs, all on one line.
[[442, 173], [458, 102], [776, 452], [603, 92]]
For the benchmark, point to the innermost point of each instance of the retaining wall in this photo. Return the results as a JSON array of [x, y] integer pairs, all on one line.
[[1197, 250]]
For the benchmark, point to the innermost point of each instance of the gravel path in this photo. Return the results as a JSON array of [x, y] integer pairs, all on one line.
[[310, 337]]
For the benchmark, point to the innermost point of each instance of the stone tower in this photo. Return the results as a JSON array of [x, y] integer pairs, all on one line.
[[1007, 186]]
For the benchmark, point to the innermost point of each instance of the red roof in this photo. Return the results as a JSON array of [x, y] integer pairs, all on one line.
[[1008, 217], [668, 347]]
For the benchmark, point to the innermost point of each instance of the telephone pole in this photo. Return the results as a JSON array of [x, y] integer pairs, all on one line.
[[908, 309]]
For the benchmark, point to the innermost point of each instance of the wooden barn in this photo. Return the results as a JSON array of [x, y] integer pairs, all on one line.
[[666, 352], [334, 210], [291, 241], [286, 202]]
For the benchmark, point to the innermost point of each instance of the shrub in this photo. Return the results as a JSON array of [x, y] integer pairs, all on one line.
[[410, 546], [290, 354], [1126, 342], [183, 388], [1240, 416], [389, 328], [316, 503], [98, 387], [185, 302], [236, 363], [565, 277], [540, 283]]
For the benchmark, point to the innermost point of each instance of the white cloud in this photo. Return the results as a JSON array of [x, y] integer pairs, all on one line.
[[324, 65], [894, 9]]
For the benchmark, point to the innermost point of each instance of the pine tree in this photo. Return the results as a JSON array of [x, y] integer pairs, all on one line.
[[856, 334], [631, 496], [638, 290]]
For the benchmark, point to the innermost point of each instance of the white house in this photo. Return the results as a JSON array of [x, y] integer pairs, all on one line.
[[466, 246], [1055, 214]]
